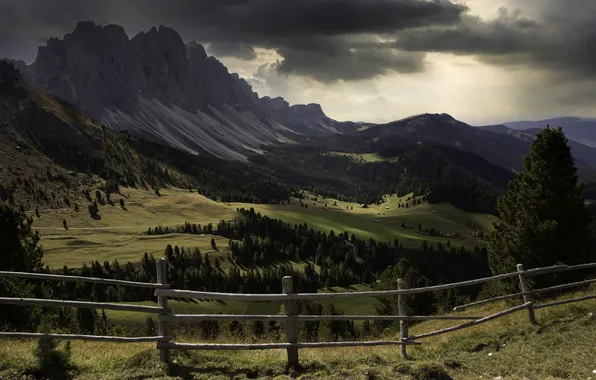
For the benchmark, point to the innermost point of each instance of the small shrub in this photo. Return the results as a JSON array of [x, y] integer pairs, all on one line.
[[51, 362]]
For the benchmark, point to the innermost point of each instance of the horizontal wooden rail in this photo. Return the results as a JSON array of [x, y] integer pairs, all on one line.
[[314, 296], [96, 280], [565, 301], [482, 302], [379, 293], [563, 286], [268, 346], [280, 317], [515, 295], [118, 339], [557, 268], [80, 304], [473, 323]]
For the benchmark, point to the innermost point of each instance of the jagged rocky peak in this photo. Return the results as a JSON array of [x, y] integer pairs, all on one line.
[[273, 104], [311, 108], [100, 69], [156, 84], [195, 51]]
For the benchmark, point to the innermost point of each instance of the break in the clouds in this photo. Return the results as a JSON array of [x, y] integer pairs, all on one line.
[[232, 49]]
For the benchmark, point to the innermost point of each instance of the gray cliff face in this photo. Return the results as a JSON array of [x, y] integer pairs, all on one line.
[[157, 85], [99, 68]]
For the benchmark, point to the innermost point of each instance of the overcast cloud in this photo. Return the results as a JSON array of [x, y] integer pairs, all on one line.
[[393, 57]]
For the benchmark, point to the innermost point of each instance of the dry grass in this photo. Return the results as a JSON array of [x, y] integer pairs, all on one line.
[[562, 346], [119, 234]]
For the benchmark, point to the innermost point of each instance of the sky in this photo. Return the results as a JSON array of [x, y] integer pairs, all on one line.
[[481, 61]]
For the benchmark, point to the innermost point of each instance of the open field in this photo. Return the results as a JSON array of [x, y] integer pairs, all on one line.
[[143, 210], [562, 346], [361, 221], [119, 233]]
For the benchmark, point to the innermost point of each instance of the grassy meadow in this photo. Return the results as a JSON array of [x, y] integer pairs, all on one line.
[[119, 233], [361, 221]]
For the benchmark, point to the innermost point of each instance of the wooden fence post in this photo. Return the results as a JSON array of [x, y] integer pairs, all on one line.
[[525, 288], [403, 324], [162, 301], [287, 287]]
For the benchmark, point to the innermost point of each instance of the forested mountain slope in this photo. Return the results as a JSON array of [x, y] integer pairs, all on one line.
[[50, 150]]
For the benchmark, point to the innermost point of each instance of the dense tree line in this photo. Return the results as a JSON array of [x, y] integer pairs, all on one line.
[[343, 258], [445, 174]]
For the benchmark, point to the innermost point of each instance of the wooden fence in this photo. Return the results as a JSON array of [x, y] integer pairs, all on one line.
[[165, 343]]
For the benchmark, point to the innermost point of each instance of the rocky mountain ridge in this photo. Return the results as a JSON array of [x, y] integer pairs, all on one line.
[[154, 84]]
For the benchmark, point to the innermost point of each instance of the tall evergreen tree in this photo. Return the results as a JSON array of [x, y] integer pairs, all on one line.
[[19, 253], [543, 219]]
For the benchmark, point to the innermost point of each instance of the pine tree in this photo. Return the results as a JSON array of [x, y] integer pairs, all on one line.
[[543, 219]]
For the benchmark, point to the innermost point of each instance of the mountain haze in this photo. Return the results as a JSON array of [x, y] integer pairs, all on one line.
[[494, 143], [581, 130]]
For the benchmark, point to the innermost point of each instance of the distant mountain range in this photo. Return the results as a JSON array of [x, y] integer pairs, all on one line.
[[584, 154], [155, 85], [498, 144], [578, 129]]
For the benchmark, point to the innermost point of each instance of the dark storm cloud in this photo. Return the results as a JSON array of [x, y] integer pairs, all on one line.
[[316, 38], [332, 39], [234, 27], [330, 58], [563, 40], [266, 19]]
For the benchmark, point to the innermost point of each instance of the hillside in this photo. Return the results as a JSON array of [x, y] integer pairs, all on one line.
[[73, 153], [444, 174], [504, 150], [120, 234], [51, 150], [509, 348], [583, 153]]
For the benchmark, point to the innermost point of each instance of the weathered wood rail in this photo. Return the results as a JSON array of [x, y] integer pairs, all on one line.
[[288, 296]]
